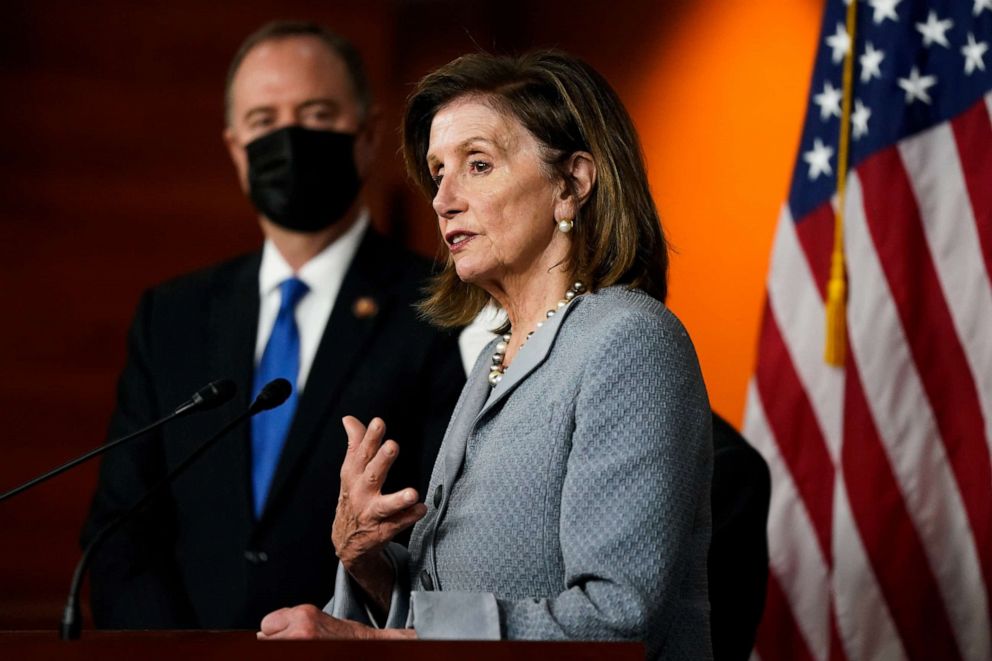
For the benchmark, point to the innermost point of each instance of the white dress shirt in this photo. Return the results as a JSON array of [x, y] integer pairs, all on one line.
[[323, 274], [479, 333]]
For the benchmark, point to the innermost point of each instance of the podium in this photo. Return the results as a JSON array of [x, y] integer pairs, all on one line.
[[225, 645]]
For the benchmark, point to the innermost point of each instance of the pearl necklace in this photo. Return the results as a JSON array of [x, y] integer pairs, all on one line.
[[498, 370]]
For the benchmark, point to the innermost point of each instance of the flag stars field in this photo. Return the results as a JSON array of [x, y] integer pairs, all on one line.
[[934, 31], [859, 119], [829, 101], [839, 42], [974, 53], [871, 63], [884, 9], [916, 86], [818, 159]]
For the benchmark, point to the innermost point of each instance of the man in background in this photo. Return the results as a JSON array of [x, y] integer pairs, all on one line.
[[326, 304]]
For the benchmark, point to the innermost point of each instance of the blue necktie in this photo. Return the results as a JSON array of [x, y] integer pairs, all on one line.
[[281, 358]]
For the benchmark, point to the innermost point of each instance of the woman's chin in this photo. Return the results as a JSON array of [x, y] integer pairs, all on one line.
[[468, 272]]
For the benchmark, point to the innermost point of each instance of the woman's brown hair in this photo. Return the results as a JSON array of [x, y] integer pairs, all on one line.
[[568, 107]]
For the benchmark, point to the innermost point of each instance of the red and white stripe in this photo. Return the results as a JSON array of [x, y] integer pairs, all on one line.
[[880, 527]]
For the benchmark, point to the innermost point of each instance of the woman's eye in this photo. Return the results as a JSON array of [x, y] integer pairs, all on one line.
[[479, 166], [436, 178]]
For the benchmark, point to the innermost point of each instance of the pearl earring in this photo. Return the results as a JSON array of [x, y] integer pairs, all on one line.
[[565, 226]]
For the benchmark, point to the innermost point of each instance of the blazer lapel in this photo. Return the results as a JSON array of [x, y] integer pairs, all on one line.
[[341, 347], [479, 397], [476, 391], [533, 353], [233, 328]]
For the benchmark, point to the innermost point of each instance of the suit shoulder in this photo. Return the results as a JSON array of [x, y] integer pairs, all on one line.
[[618, 311], [735, 458], [198, 282], [397, 270], [400, 259]]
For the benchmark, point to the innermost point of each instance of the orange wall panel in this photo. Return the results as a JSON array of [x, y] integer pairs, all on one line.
[[719, 108]]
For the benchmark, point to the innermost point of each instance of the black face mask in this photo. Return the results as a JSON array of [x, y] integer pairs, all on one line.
[[301, 179]]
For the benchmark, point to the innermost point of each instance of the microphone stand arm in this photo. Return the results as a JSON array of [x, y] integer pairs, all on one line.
[[208, 397], [89, 455], [71, 624]]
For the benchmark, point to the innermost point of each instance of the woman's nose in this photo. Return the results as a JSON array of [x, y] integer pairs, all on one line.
[[448, 201]]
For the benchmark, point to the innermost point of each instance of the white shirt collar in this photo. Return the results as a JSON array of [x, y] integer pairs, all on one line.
[[324, 275], [327, 266]]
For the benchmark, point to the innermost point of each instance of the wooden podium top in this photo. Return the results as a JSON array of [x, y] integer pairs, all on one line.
[[197, 645]]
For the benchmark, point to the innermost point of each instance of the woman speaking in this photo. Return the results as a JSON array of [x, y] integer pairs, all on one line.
[[570, 499]]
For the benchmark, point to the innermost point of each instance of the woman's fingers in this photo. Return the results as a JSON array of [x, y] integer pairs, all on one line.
[[389, 505], [404, 519], [355, 431], [365, 518], [276, 621], [383, 517], [363, 443], [307, 622], [376, 470], [372, 440]]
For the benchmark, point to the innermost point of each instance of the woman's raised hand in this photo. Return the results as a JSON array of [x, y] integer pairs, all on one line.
[[366, 519]]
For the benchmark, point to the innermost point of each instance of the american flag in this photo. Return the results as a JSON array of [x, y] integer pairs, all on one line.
[[880, 528]]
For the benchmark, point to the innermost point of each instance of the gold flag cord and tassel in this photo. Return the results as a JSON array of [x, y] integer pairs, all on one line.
[[836, 340]]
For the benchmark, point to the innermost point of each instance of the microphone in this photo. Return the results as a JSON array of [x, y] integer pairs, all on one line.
[[209, 396], [273, 394]]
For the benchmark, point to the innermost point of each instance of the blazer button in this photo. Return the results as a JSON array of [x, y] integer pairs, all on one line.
[[438, 496], [256, 557], [426, 580]]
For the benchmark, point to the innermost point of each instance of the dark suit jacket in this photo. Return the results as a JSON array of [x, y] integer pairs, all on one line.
[[738, 559], [197, 558]]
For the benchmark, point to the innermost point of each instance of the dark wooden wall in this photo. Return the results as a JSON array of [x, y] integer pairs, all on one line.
[[113, 177]]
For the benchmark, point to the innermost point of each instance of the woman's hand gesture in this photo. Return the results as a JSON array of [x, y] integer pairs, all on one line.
[[366, 519]]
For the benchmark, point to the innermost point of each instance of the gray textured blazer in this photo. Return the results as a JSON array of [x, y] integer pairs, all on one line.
[[572, 500]]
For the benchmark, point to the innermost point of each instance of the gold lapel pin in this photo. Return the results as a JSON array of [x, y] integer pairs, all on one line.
[[365, 307]]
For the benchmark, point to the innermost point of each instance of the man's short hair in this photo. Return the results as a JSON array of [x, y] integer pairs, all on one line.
[[284, 29]]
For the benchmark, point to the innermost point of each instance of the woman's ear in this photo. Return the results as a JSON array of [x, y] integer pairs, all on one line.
[[580, 170]]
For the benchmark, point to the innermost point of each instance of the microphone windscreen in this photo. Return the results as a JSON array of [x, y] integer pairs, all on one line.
[[273, 394], [215, 393], [209, 396]]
